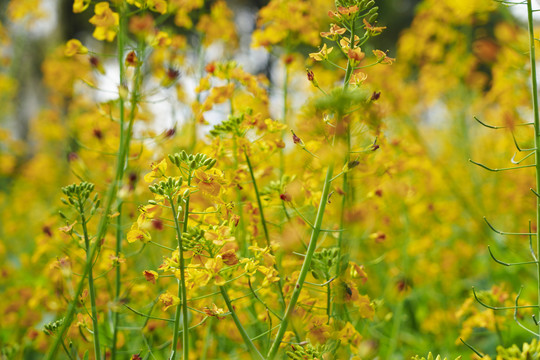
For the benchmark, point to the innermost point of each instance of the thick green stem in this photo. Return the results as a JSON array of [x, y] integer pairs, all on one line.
[[242, 229], [92, 291], [182, 308], [109, 199], [305, 266], [536, 133], [255, 354]]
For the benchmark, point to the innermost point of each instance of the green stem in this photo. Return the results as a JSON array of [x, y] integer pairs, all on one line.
[[109, 200], [257, 195], [182, 308], [536, 131], [242, 229], [284, 120], [350, 68], [305, 266], [255, 354], [92, 291], [118, 282], [263, 221]]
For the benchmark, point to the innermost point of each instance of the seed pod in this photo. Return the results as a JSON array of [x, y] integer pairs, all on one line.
[[373, 18], [211, 164]]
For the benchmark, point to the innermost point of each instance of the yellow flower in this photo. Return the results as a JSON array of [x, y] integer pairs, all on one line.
[[356, 54], [136, 234], [168, 300], [73, 47], [150, 275], [106, 22], [321, 55], [80, 5], [383, 58], [219, 236], [158, 170], [159, 6], [335, 31], [209, 182], [214, 311]]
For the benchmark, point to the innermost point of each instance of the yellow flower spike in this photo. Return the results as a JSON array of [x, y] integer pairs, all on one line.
[[80, 5], [168, 300], [321, 55], [74, 47]]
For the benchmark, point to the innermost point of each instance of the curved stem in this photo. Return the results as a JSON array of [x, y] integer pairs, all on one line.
[[305, 266], [251, 347], [534, 86], [109, 199]]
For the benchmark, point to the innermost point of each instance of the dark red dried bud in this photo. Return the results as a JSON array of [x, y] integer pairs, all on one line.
[[378, 192], [296, 139], [98, 134], [310, 75], [210, 68], [136, 357], [375, 96], [132, 177], [94, 61], [73, 156], [157, 224], [47, 230], [374, 147], [288, 59], [173, 74], [403, 284], [131, 58], [170, 132], [285, 197]]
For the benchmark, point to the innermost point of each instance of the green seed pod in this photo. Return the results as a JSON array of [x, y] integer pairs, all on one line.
[[64, 201], [373, 18], [172, 159], [211, 164], [185, 195], [370, 4]]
